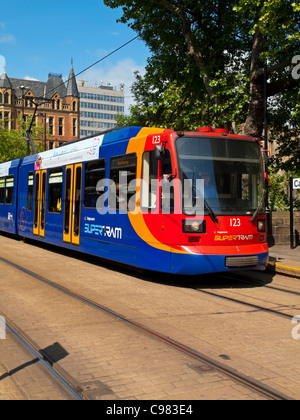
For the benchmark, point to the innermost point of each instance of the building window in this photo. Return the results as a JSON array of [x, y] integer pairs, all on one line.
[[51, 125], [60, 126], [6, 98], [6, 120], [1, 98], [74, 106], [74, 127]]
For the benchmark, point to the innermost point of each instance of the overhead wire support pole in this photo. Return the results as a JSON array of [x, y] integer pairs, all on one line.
[[29, 138]]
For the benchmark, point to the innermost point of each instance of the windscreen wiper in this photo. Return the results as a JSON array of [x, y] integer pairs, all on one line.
[[210, 211], [260, 206]]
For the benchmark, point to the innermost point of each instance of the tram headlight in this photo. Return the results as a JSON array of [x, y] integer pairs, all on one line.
[[194, 226], [261, 225]]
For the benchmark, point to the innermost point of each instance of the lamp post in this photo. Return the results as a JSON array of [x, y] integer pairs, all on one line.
[[36, 102], [23, 89]]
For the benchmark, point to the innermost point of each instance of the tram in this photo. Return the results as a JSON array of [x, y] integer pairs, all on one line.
[[156, 199]]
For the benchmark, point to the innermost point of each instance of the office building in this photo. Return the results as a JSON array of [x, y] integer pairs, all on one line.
[[99, 107]]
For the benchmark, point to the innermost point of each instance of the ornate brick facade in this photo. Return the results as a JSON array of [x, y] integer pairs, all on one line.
[[58, 105]]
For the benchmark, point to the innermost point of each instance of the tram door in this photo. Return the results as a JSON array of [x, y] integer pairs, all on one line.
[[73, 192], [40, 192]]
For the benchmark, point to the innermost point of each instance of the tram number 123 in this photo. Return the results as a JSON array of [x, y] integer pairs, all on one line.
[[156, 140], [235, 222]]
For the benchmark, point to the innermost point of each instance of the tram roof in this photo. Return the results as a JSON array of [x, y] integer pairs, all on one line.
[[6, 166], [80, 150], [87, 149]]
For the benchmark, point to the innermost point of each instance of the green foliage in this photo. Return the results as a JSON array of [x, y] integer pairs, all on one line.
[[13, 143], [201, 71], [279, 192]]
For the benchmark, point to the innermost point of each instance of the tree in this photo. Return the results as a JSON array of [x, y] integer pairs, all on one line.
[[213, 54], [275, 31], [13, 142]]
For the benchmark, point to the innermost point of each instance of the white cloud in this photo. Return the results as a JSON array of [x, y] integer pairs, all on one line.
[[121, 72], [30, 78], [7, 39]]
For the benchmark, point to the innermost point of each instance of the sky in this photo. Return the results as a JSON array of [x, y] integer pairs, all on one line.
[[42, 36]]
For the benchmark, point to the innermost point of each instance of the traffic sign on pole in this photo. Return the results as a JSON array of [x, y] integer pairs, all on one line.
[[296, 183]]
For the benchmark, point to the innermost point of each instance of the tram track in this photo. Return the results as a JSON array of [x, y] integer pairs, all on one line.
[[64, 379], [248, 304], [255, 282], [251, 305], [222, 368]]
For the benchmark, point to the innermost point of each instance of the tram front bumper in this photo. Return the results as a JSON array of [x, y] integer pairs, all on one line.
[[194, 263]]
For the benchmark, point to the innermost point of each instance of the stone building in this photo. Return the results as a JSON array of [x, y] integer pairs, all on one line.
[[58, 105]]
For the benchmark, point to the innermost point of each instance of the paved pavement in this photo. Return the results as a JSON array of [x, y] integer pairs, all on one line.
[[109, 358], [284, 260], [23, 377]]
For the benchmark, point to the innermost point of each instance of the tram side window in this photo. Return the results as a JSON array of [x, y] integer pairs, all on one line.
[[2, 190], [94, 172], [30, 192], [10, 190], [150, 181], [55, 190], [167, 185], [123, 185]]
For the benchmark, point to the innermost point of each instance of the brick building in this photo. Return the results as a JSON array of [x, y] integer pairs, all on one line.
[[58, 105]]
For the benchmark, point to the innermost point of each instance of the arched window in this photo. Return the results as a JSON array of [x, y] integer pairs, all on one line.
[[6, 98]]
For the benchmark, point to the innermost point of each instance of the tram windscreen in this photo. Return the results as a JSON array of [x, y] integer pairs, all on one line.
[[231, 170]]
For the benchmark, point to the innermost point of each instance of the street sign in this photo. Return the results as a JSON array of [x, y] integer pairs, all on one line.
[[296, 183]]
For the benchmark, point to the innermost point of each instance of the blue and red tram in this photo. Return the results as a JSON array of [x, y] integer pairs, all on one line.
[[156, 199]]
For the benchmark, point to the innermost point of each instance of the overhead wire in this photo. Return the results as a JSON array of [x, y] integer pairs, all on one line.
[[92, 65], [87, 68]]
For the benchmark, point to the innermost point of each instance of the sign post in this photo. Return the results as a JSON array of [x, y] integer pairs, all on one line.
[[294, 185]]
